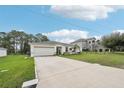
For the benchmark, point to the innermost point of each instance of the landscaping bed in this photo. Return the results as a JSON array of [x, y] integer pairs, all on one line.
[[16, 69]]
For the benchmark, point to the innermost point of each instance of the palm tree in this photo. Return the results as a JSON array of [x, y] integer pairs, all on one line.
[[76, 48]]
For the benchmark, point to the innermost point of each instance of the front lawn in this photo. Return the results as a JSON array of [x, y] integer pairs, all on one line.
[[15, 69], [108, 59]]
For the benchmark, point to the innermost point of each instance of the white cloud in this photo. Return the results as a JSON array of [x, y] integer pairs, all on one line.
[[88, 13], [121, 31], [66, 36]]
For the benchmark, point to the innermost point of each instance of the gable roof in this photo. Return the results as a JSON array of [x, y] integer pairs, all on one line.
[[50, 43]]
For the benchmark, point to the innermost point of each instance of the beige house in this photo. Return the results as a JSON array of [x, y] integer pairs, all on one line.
[[47, 48]]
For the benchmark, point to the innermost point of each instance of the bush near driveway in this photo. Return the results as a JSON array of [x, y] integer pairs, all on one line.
[[15, 69]]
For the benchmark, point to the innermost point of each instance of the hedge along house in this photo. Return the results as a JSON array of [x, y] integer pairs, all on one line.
[[3, 52], [48, 48]]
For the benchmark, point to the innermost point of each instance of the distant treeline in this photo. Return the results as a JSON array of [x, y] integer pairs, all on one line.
[[18, 41]]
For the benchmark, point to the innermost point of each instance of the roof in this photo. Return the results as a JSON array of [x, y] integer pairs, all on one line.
[[79, 40], [91, 38], [1, 48], [50, 43], [83, 40]]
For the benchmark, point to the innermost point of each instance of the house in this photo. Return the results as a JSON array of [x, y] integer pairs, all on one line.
[[85, 44], [90, 44], [3, 52], [47, 48]]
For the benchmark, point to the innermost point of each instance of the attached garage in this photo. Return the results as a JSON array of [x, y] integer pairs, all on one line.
[[3, 52], [40, 50]]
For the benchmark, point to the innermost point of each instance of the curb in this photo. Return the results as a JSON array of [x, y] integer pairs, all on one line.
[[31, 83]]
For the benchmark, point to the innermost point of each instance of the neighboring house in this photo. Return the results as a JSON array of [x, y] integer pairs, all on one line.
[[100, 48], [49, 48], [82, 43], [3, 52], [90, 44]]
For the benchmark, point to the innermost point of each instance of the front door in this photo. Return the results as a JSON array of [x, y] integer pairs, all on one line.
[[58, 50]]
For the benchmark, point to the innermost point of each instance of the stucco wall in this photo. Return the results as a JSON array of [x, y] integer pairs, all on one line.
[[82, 45], [33, 50]]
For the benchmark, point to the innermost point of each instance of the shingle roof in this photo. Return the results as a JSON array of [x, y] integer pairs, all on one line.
[[79, 40], [91, 38], [51, 43], [83, 40]]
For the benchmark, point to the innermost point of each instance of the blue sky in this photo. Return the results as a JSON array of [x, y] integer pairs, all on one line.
[[62, 20]]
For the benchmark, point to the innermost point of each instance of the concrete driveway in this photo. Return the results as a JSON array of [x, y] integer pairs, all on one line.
[[61, 72]]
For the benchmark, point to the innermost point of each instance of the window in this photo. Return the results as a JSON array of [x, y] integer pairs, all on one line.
[[100, 50], [93, 41], [66, 49], [70, 48]]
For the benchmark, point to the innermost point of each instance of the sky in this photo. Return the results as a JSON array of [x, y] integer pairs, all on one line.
[[63, 23]]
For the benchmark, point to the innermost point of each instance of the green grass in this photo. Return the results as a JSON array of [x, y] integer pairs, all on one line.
[[107, 59], [19, 69]]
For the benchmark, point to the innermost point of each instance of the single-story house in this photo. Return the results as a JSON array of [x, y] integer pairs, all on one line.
[[3, 52], [47, 48]]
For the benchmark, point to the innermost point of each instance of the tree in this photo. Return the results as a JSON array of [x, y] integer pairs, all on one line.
[[18, 41], [76, 48], [40, 37], [115, 41], [122, 42], [2, 39]]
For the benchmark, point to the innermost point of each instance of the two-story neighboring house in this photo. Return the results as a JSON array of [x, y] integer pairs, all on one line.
[[90, 44], [82, 43]]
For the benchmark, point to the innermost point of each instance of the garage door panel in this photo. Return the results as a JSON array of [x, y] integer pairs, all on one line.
[[44, 51]]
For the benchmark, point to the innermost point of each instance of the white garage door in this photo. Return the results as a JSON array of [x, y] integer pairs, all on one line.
[[44, 51]]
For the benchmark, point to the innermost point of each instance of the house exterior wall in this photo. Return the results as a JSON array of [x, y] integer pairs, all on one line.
[[69, 51], [53, 51], [79, 44], [89, 44], [100, 47], [63, 49], [3, 52], [82, 45]]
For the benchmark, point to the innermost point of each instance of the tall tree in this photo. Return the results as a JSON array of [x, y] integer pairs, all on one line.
[[115, 41], [40, 37], [18, 41]]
